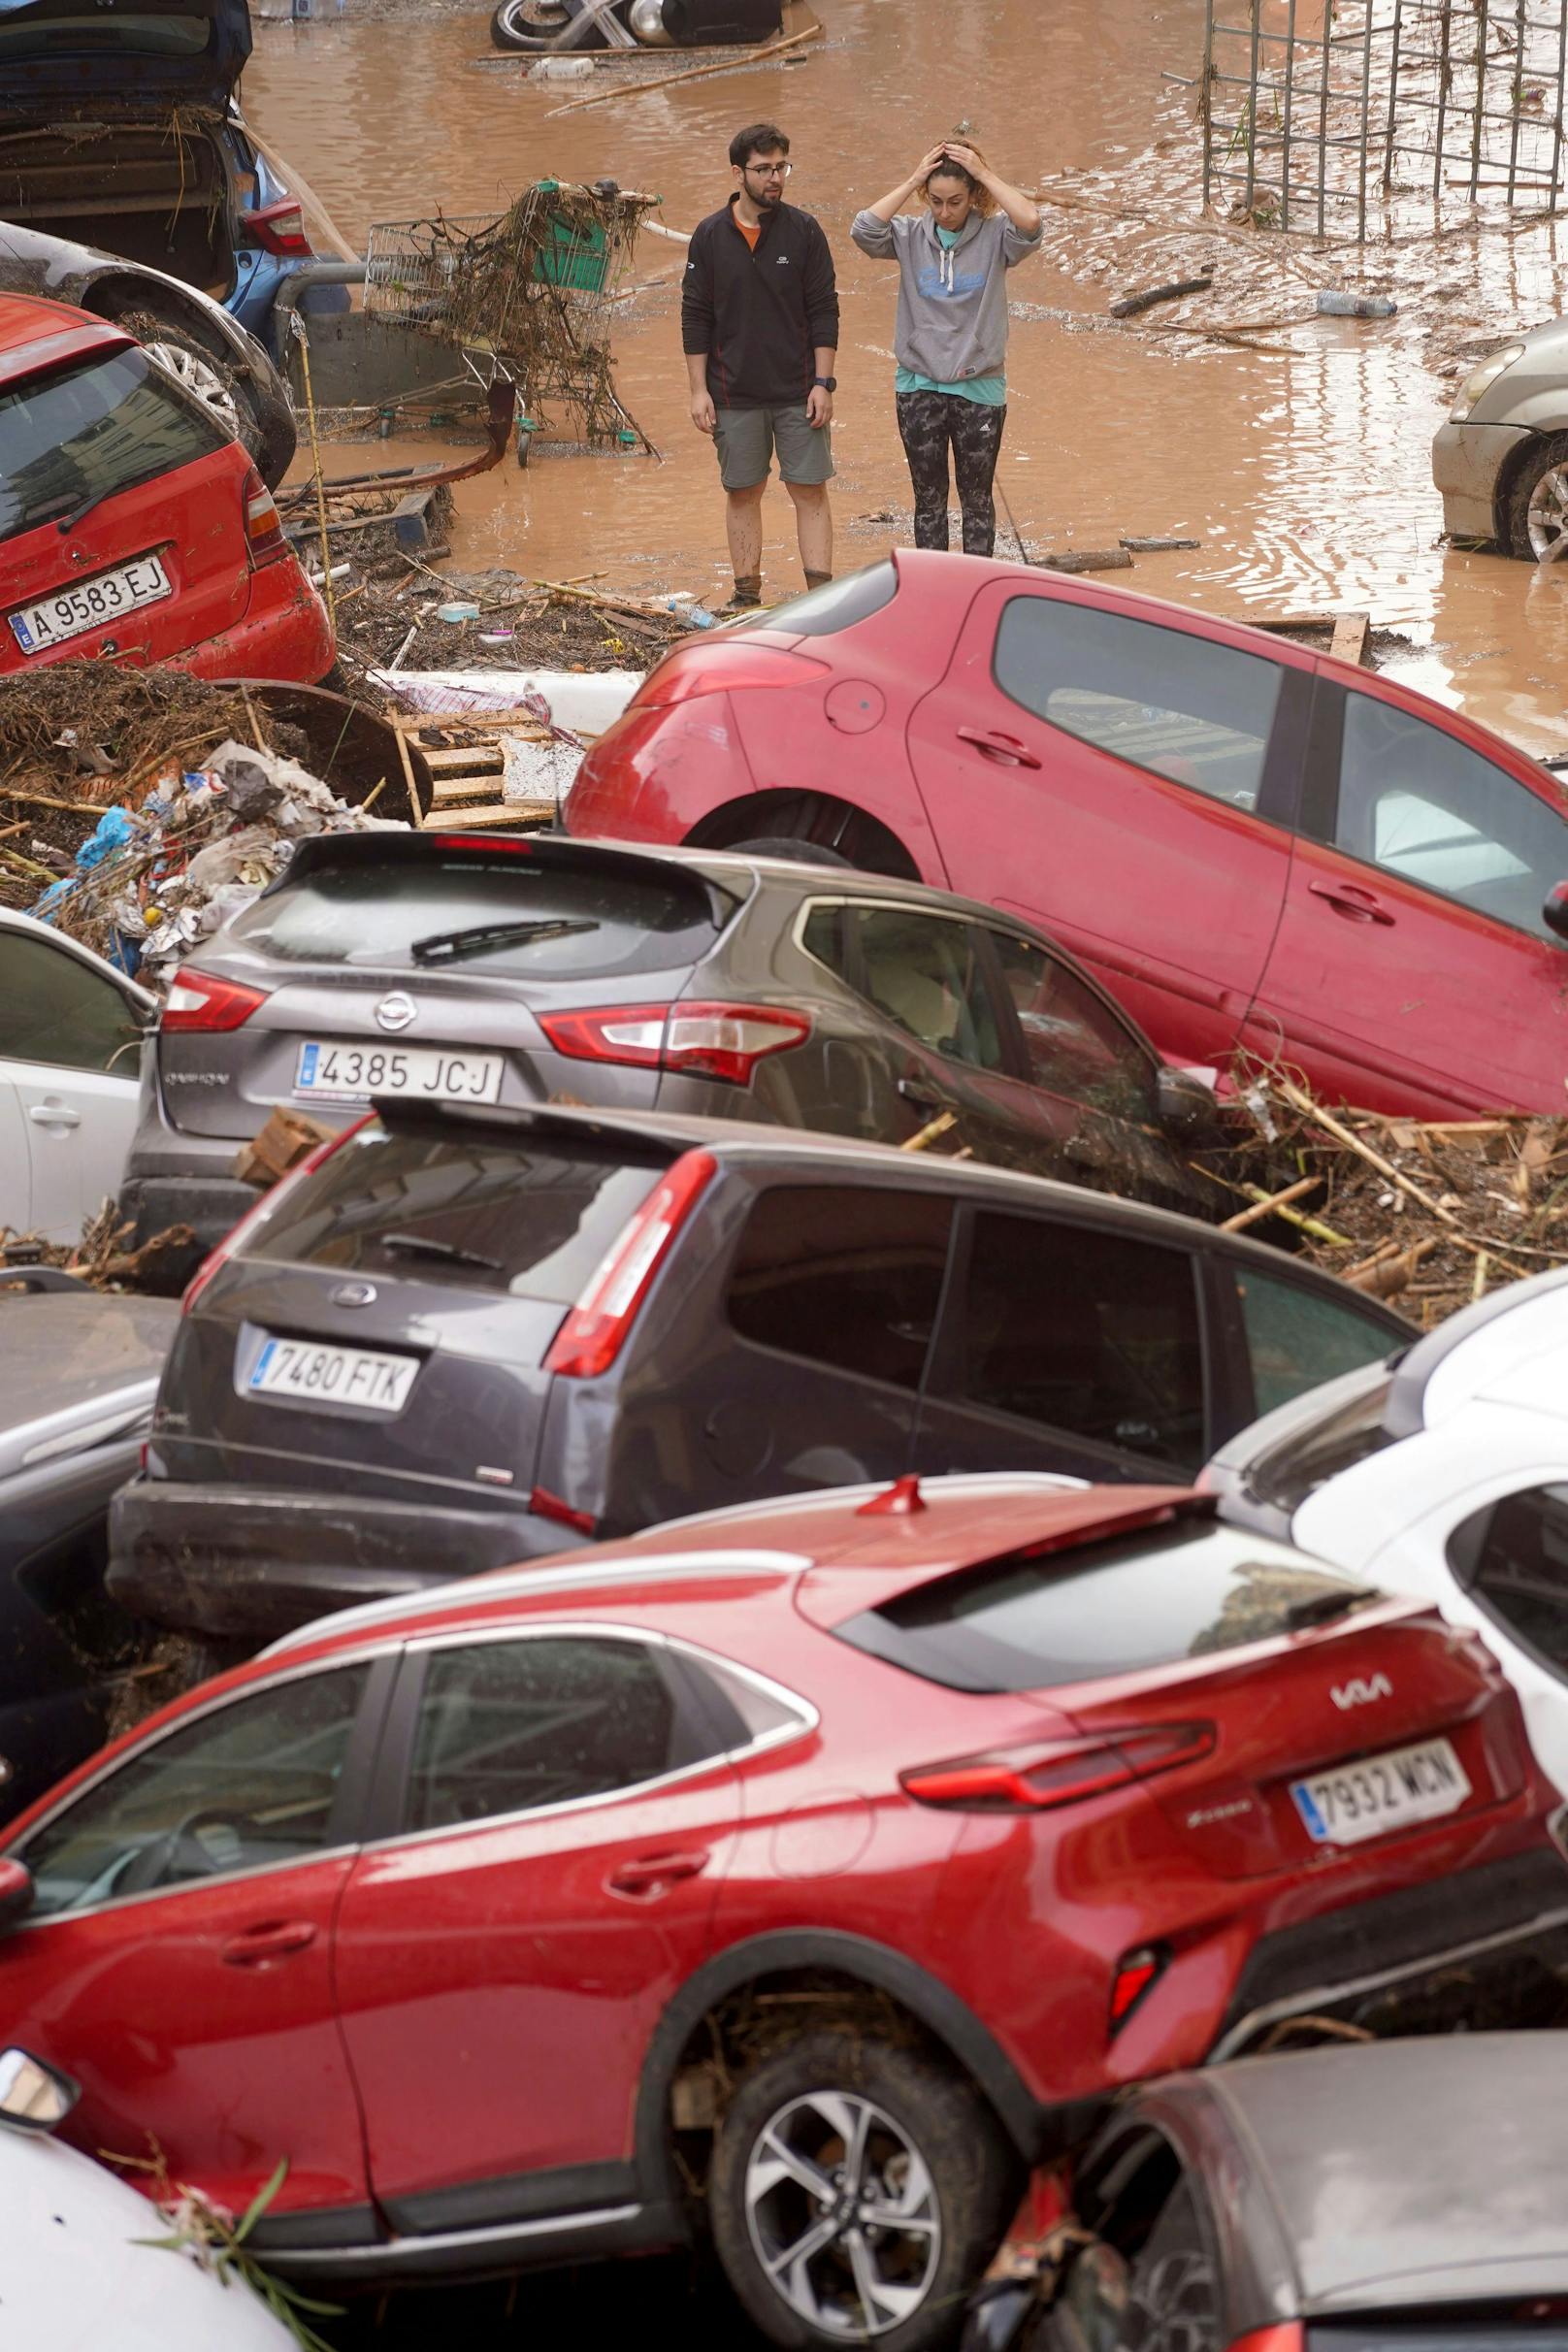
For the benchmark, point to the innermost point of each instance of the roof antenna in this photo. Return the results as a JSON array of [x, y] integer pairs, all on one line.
[[901, 1500]]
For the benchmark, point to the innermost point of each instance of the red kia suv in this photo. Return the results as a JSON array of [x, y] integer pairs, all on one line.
[[814, 1867], [132, 526], [1253, 846]]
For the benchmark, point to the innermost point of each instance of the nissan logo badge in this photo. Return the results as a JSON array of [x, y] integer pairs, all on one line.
[[396, 1012], [353, 1294]]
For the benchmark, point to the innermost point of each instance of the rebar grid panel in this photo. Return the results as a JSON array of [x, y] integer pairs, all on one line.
[[536, 287], [1322, 116]]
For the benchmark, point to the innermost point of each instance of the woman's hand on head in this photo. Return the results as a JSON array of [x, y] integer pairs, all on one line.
[[928, 164], [964, 155]]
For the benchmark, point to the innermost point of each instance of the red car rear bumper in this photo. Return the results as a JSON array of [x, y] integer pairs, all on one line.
[[285, 632]]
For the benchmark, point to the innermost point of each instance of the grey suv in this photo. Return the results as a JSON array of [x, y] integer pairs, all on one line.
[[534, 968], [472, 1337]]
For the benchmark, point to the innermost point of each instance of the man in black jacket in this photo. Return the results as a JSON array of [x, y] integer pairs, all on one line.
[[758, 322]]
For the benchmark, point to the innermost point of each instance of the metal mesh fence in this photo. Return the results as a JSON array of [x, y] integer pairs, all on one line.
[[1326, 115]]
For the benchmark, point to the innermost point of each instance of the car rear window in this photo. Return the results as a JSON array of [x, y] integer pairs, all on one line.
[[1337, 1440], [533, 1216], [823, 611], [89, 431], [1113, 1608], [380, 910]]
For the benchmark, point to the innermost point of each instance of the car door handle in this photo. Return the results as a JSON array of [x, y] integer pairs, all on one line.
[[270, 1939], [53, 1114], [1003, 747], [1350, 899], [920, 1096], [650, 1873]]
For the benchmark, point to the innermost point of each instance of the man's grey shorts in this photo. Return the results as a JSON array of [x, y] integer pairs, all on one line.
[[745, 440]]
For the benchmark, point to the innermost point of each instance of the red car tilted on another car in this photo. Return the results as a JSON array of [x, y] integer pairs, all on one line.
[[826, 1862], [132, 526], [1253, 846]]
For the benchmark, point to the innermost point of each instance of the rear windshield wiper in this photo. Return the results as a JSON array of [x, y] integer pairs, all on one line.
[[1319, 1606], [425, 1245], [444, 947], [84, 505]]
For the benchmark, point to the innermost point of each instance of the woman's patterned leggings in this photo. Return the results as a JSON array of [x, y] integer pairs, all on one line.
[[926, 422]]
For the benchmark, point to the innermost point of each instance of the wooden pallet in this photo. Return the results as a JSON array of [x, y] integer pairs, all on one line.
[[454, 764]]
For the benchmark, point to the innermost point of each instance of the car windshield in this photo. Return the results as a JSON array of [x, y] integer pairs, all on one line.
[[515, 916], [90, 431], [1022, 1623]]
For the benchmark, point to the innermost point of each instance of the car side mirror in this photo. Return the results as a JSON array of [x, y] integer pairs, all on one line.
[[33, 2096], [1555, 913], [1185, 1103], [15, 1890]]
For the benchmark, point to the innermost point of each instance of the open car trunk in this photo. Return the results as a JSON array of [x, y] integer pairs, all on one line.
[[154, 192]]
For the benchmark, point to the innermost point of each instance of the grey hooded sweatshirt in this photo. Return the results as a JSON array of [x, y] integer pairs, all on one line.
[[951, 299]]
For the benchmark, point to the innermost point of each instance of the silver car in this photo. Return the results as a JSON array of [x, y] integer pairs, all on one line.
[[1501, 460]]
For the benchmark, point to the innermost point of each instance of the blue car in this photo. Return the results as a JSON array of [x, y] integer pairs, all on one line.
[[119, 129]]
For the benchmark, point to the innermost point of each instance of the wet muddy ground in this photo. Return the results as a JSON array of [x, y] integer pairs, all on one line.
[[1300, 463]]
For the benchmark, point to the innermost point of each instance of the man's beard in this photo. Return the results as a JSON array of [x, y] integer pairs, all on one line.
[[772, 195]]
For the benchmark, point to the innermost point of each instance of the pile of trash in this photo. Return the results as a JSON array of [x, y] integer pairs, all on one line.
[[148, 883], [1428, 1214]]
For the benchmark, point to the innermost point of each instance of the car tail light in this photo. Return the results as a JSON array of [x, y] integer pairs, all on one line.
[[197, 1002], [594, 1333], [229, 1246], [1286, 2335], [547, 1506], [263, 524], [724, 668], [277, 228], [706, 1040], [1134, 1973], [1057, 1772]]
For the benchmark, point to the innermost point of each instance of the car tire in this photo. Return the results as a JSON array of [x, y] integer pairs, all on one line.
[[235, 404], [1541, 538], [535, 25], [806, 853], [935, 2161]]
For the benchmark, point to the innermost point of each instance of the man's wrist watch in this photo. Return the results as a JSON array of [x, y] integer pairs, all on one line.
[[828, 384]]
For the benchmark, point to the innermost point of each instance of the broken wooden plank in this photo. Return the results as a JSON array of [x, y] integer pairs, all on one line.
[[1349, 641], [1130, 305], [1087, 559], [498, 812]]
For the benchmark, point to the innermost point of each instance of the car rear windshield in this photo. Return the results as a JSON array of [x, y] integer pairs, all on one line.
[[1112, 1608], [532, 1216], [1337, 1440], [461, 906], [823, 611], [91, 431]]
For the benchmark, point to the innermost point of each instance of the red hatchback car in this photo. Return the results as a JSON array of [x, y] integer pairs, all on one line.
[[132, 526], [821, 1864], [1253, 846]]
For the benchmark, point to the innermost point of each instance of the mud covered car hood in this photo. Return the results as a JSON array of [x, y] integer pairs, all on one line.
[[57, 56]]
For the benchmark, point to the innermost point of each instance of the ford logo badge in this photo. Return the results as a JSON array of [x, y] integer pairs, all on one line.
[[353, 1294], [396, 1012]]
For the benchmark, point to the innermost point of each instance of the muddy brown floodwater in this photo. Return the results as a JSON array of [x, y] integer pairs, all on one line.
[[1300, 463]]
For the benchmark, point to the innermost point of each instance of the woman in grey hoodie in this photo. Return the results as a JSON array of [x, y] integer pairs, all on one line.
[[951, 338]]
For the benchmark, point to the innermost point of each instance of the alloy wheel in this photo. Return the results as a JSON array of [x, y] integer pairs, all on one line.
[[200, 377], [843, 2214], [1546, 517]]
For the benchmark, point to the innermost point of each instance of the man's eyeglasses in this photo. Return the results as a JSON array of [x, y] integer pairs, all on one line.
[[771, 171]]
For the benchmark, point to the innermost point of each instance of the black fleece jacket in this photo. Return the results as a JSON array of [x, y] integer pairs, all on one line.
[[759, 316]]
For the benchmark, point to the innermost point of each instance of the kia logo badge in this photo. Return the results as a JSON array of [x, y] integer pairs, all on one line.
[[353, 1294], [396, 1012]]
